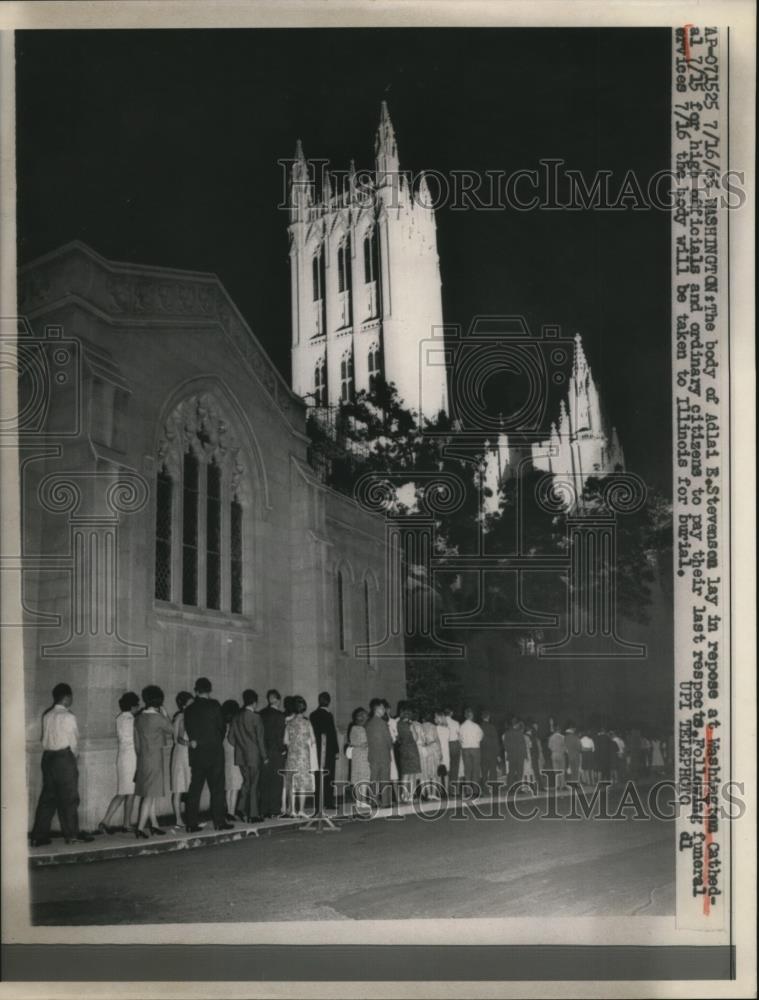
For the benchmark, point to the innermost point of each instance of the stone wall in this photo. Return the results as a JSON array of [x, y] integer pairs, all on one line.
[[153, 354]]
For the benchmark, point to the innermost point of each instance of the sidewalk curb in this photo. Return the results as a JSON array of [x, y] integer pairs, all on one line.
[[165, 845], [188, 842]]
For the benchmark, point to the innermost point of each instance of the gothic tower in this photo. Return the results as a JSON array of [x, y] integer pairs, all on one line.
[[365, 282], [580, 444]]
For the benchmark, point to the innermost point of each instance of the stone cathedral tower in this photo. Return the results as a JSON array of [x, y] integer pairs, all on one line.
[[365, 282]]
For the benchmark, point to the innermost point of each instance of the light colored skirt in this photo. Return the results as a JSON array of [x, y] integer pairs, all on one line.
[[126, 765], [180, 769], [232, 773]]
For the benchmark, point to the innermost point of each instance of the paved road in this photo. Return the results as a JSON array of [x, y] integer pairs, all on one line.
[[383, 869]]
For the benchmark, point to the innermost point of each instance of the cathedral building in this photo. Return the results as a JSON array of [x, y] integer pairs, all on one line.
[[580, 445], [365, 283], [172, 525]]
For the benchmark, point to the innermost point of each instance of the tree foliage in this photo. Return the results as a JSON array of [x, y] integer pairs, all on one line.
[[376, 433]]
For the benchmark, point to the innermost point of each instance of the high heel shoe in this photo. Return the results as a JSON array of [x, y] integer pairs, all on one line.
[[157, 829], [141, 834], [104, 829]]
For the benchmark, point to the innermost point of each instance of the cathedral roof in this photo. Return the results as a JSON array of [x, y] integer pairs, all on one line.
[[137, 295]]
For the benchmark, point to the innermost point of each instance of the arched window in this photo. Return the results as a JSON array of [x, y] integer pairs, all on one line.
[[344, 282], [344, 267], [346, 377], [213, 535], [235, 558], [374, 366], [199, 526], [320, 383], [318, 280], [340, 612], [163, 516], [190, 503], [371, 262], [317, 274], [367, 621]]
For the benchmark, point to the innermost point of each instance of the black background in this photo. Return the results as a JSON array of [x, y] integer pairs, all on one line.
[[161, 147]]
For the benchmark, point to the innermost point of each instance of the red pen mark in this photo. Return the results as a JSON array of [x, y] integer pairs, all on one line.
[[707, 812], [686, 42]]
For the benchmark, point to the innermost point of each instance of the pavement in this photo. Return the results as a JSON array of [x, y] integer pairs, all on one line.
[[108, 847], [406, 867]]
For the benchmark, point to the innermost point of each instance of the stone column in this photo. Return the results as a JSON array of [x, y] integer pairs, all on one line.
[[94, 501]]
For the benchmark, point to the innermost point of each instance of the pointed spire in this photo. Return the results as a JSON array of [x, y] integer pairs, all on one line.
[[580, 362], [300, 184], [423, 196], [385, 146]]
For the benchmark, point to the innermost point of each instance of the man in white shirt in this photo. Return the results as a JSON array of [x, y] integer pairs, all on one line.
[[60, 775], [454, 747], [471, 736]]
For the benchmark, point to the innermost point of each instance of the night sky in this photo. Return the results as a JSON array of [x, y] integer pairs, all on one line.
[[161, 147]]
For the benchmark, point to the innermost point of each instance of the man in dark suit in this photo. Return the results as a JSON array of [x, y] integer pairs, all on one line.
[[246, 734], [273, 719], [323, 723], [516, 751], [205, 729], [604, 748]]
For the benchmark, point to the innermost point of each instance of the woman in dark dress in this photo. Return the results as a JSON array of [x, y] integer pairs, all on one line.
[[152, 732], [410, 765]]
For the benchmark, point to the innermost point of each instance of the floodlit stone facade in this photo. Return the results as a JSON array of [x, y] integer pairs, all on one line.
[[172, 525], [365, 282]]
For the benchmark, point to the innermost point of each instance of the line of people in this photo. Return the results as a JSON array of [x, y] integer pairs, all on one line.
[[269, 763], [256, 765], [431, 752]]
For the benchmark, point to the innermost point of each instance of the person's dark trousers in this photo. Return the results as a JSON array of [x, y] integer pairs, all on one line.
[[60, 791], [271, 786], [454, 749], [248, 800], [206, 769], [472, 764], [329, 786], [489, 771]]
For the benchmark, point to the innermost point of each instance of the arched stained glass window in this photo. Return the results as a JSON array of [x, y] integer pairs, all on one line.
[[163, 518], [235, 560], [340, 612], [213, 536], [199, 558], [190, 498]]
